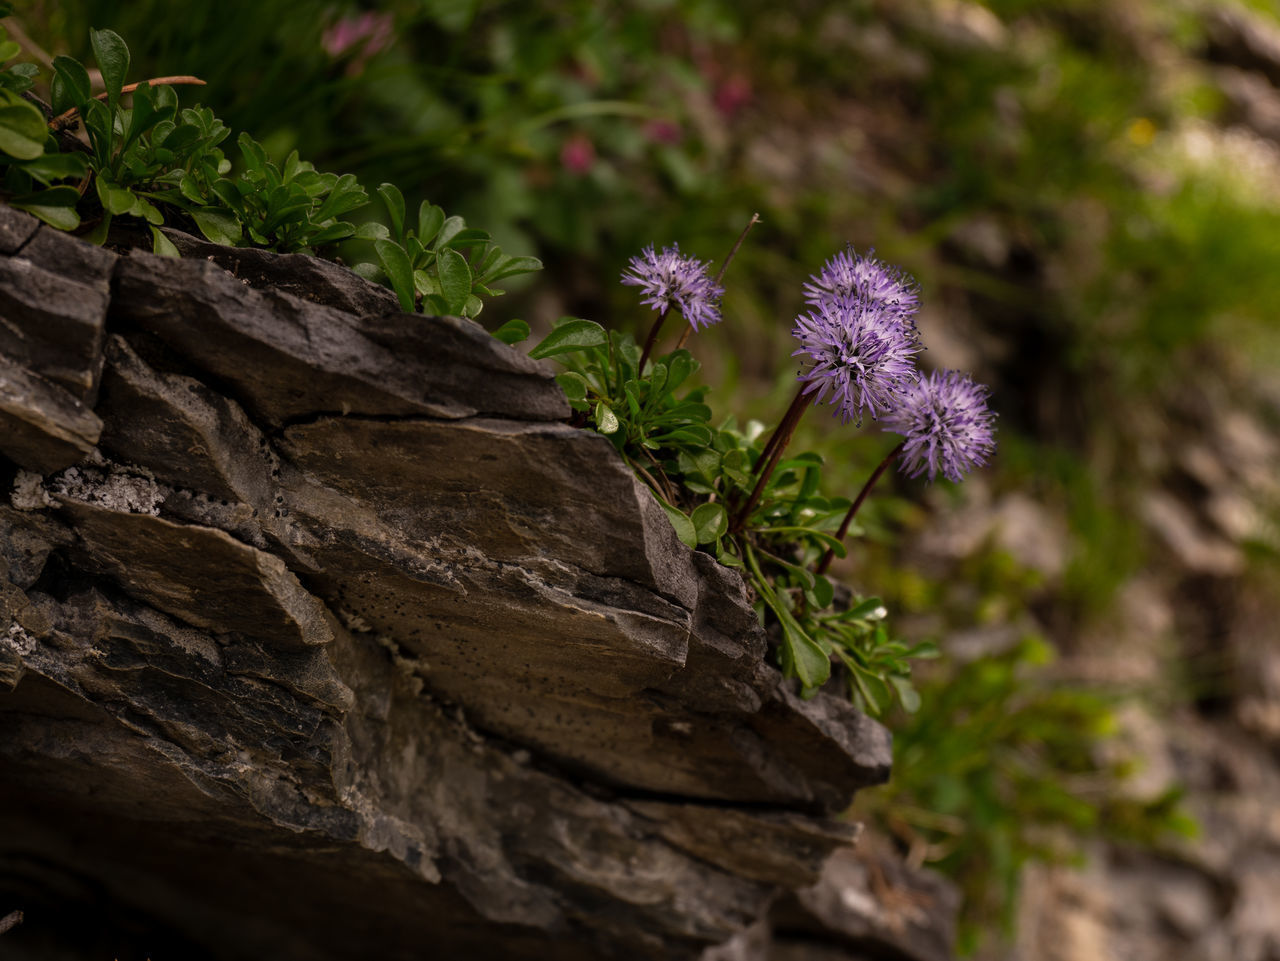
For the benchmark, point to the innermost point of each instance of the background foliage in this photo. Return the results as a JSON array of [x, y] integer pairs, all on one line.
[[1093, 239]]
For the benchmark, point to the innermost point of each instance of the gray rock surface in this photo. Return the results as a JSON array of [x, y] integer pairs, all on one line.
[[337, 643]]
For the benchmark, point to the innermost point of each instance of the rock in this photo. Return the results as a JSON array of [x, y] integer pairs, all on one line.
[[1241, 38], [1253, 100], [864, 904], [306, 277], [42, 427], [54, 309], [870, 897], [16, 228], [1196, 549], [201, 576], [284, 359], [339, 607]]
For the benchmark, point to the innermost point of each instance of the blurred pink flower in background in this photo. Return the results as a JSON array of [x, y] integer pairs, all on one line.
[[371, 32], [663, 131], [732, 94], [578, 154]]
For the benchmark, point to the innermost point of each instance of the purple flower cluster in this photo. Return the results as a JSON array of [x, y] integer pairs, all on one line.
[[849, 277], [667, 279], [863, 356], [948, 427], [859, 335]]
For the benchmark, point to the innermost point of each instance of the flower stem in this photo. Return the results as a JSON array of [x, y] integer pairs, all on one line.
[[755, 219], [773, 452], [648, 341], [853, 508]]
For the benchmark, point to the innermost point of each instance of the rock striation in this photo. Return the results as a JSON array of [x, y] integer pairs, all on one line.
[[322, 636]]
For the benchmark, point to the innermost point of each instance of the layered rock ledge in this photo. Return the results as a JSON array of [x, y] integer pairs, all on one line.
[[324, 637]]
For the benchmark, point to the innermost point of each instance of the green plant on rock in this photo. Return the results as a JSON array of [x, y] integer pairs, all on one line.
[[1000, 767], [441, 264], [34, 173], [159, 163], [740, 497]]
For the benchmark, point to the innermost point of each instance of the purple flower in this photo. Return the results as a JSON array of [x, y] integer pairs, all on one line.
[[862, 354], [947, 425], [667, 279], [848, 276]]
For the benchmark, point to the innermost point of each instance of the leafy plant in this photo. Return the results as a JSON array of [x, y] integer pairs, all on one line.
[[697, 471], [1001, 766], [32, 168], [151, 156], [441, 264]]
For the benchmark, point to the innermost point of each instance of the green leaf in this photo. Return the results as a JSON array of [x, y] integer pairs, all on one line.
[[331, 234], [22, 127], [141, 207], [115, 199], [907, 694], [255, 158], [429, 286], [684, 527], [823, 592], [710, 522], [62, 196], [513, 266], [680, 365], [64, 218], [396, 263], [394, 200], [450, 227], [70, 86], [9, 49], [467, 238], [345, 196], [113, 60], [56, 166], [144, 115], [574, 385], [430, 220], [606, 419], [98, 235], [870, 608], [217, 225], [162, 245], [572, 335], [802, 654], [372, 230], [455, 279], [515, 331]]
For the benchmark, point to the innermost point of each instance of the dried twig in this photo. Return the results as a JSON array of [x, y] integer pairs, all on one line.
[[67, 116], [10, 920]]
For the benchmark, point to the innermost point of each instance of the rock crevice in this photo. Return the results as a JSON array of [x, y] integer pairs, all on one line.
[[304, 595]]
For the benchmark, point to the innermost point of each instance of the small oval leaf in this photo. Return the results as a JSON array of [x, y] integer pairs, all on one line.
[[569, 336], [455, 279], [513, 332], [710, 522]]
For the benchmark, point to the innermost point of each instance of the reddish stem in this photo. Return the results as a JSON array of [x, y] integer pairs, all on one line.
[[648, 341], [773, 452], [853, 508]]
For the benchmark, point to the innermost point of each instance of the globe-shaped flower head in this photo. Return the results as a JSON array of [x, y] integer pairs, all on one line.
[[849, 277], [862, 354], [667, 279], [948, 427]]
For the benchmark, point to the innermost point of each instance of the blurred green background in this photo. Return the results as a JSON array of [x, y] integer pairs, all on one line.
[[1088, 192]]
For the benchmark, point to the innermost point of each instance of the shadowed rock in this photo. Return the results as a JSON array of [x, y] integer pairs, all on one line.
[[339, 642]]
